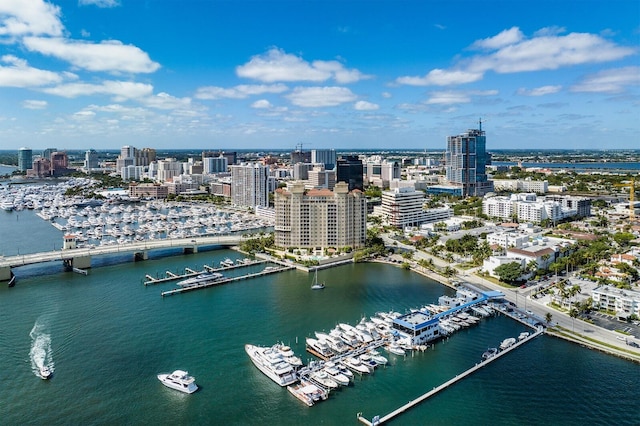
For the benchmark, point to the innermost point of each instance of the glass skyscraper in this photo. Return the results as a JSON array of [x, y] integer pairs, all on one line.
[[25, 159], [466, 162]]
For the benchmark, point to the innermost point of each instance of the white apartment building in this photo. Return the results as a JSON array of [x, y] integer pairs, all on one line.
[[250, 185], [402, 207], [380, 172], [527, 208], [521, 185], [211, 165], [132, 172], [507, 239], [319, 218], [437, 214], [167, 169], [623, 302]]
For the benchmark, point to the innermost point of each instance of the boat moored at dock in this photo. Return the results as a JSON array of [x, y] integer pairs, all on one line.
[[272, 364]]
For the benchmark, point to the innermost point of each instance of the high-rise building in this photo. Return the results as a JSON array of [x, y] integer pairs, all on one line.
[[466, 160], [381, 173], [349, 170], [168, 169], [214, 164], [59, 163], [324, 156], [320, 218], [321, 178], [91, 160], [25, 159], [250, 185], [144, 156], [47, 153], [300, 156]]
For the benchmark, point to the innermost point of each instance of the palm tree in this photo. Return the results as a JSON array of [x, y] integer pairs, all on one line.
[[548, 318], [573, 313]]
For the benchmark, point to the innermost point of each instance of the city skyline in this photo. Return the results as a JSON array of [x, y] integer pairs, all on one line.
[[80, 74]]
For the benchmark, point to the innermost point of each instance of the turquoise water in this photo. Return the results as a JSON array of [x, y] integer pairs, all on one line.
[[106, 336]]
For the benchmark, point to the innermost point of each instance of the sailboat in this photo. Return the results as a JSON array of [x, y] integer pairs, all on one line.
[[316, 285]]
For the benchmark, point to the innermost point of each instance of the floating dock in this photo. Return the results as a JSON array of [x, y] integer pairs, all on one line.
[[188, 273], [224, 280], [377, 420]]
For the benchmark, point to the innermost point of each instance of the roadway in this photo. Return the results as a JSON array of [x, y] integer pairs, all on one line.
[[32, 258]]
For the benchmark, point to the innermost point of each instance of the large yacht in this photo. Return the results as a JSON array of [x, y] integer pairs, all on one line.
[[179, 380], [271, 362], [201, 279]]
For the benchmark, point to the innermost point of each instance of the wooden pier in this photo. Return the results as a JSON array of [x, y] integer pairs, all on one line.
[[377, 420], [224, 280]]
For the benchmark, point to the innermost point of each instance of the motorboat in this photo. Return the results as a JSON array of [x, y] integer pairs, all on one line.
[[395, 349], [355, 365], [489, 353], [335, 374], [506, 343], [377, 357], [315, 285], [308, 392], [523, 335], [205, 277], [45, 372], [341, 368], [368, 362], [179, 380], [319, 347], [322, 378], [272, 364]]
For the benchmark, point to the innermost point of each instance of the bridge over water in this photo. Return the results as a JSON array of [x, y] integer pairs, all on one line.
[[81, 257]]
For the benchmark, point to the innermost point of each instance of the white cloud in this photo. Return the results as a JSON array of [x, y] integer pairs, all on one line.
[[19, 74], [609, 81], [505, 38], [439, 77], [34, 104], [511, 52], [261, 104], [119, 89], [238, 92], [277, 65], [321, 96], [165, 101], [539, 91], [386, 95], [450, 97], [365, 106], [106, 56], [34, 17], [84, 115], [549, 53], [100, 3]]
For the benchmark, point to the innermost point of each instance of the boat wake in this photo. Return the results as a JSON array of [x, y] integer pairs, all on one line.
[[40, 352]]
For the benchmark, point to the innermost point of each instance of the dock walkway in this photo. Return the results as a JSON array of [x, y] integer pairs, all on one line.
[[379, 420], [223, 281], [170, 276]]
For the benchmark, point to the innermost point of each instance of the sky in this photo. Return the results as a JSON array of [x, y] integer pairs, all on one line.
[[342, 74]]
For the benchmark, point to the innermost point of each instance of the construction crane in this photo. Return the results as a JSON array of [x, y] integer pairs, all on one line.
[[632, 191]]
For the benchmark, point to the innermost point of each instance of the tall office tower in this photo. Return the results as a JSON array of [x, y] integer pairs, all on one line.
[[250, 185], [47, 153], [403, 207], [25, 159], [466, 160], [212, 165], [91, 160], [324, 156], [300, 156], [126, 158], [320, 218], [350, 170], [321, 178]]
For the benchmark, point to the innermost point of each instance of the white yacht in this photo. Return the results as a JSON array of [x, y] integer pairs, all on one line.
[[179, 380], [288, 355], [45, 372], [272, 364], [507, 343], [205, 277], [308, 393], [355, 365]]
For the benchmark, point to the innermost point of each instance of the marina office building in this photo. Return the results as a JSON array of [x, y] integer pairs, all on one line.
[[319, 218]]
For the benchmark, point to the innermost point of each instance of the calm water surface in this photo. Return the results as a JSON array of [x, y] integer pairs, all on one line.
[[106, 336]]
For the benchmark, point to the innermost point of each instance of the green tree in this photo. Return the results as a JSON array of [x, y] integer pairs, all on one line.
[[509, 272], [548, 318]]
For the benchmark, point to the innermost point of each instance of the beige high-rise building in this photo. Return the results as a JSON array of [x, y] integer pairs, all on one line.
[[320, 218]]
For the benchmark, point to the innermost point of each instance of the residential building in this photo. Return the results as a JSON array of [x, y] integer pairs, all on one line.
[[91, 160], [167, 169], [148, 190], [521, 185], [402, 207], [132, 173], [213, 165], [319, 177], [623, 302], [250, 185], [41, 168], [466, 161], [319, 218], [59, 163], [381, 173]]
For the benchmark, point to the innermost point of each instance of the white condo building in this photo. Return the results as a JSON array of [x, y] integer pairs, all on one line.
[[167, 169], [402, 207], [250, 185], [623, 302]]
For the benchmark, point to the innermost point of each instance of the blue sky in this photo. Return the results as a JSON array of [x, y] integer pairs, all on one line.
[[79, 74]]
